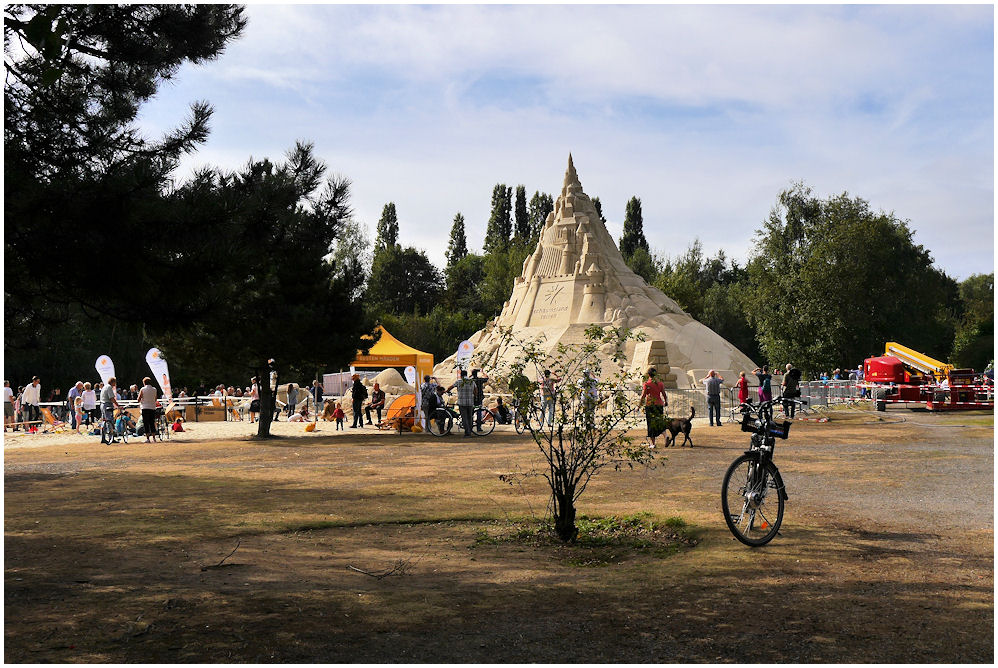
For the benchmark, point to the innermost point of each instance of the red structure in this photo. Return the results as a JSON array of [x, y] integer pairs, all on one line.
[[893, 381]]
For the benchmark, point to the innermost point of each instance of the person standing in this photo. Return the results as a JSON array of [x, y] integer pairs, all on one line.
[[147, 403], [377, 403], [654, 399], [316, 397], [548, 397], [742, 387], [765, 383], [74, 392], [428, 399], [589, 397], [109, 401], [8, 406], [465, 400], [90, 411], [713, 384], [254, 399], [292, 399], [790, 389], [30, 400], [18, 411], [358, 393]]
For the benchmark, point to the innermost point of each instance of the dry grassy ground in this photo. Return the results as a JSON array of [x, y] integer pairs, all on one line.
[[120, 553]]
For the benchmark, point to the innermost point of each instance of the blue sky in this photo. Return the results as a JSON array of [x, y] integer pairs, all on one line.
[[704, 112]]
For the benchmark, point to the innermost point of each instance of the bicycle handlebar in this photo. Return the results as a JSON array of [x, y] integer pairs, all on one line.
[[768, 404]]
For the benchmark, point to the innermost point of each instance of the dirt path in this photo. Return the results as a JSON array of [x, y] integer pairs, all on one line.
[[113, 554]]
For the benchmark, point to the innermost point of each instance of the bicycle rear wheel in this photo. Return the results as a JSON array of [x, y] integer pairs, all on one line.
[[752, 501], [441, 422], [485, 422], [519, 421]]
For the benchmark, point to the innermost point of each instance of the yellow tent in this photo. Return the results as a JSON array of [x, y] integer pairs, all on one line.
[[389, 351]]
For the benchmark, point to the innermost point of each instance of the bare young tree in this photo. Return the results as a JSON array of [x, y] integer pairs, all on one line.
[[590, 393]]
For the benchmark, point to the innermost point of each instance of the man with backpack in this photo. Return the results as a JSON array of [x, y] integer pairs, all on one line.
[[428, 399], [790, 390]]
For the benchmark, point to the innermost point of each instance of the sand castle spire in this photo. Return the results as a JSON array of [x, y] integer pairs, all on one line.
[[571, 177]]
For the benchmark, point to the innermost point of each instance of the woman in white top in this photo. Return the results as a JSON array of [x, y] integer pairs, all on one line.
[[147, 402], [90, 403], [254, 400]]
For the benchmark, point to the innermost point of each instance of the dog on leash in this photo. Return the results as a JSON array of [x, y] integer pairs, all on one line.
[[680, 426]]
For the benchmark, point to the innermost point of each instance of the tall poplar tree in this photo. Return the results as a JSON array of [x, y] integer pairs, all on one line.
[[457, 248], [500, 225], [634, 234], [388, 229], [599, 209], [521, 228]]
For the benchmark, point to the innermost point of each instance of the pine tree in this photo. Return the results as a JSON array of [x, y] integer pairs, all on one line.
[[500, 226], [634, 235], [521, 230], [388, 229], [541, 204], [457, 249]]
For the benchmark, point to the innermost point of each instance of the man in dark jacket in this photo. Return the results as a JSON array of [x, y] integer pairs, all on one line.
[[358, 392]]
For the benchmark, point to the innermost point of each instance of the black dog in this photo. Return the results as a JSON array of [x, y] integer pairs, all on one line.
[[680, 426]]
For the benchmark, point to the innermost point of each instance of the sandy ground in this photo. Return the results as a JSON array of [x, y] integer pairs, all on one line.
[[218, 547]]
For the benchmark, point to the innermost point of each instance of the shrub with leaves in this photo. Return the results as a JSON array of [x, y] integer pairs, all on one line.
[[595, 406]]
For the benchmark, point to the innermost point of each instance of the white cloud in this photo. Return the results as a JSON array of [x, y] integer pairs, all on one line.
[[706, 113]]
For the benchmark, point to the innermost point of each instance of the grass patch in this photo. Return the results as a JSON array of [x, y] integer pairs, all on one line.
[[602, 540]]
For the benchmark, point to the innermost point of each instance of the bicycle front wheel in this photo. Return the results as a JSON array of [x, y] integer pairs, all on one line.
[[485, 421], [441, 422], [752, 501], [124, 435]]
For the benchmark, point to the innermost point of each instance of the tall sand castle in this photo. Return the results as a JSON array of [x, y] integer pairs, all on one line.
[[576, 277]]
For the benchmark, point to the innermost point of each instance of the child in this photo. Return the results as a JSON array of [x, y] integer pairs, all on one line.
[[78, 409], [339, 415], [299, 416], [178, 425], [124, 424]]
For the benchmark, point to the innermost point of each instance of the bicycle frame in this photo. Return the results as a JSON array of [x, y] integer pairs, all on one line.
[[764, 432]]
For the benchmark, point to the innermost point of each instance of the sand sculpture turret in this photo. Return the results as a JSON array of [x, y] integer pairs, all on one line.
[[576, 277]]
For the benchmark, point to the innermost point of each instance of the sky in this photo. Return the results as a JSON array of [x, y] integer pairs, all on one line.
[[706, 113]]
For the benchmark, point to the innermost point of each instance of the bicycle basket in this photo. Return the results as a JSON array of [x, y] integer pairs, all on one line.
[[749, 424], [779, 430]]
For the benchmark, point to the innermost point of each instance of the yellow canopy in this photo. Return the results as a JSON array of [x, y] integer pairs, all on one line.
[[389, 351]]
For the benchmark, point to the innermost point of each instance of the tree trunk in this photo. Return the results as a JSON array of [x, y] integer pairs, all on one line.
[[266, 405], [564, 517]]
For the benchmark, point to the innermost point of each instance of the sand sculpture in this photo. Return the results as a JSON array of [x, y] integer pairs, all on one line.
[[577, 277]]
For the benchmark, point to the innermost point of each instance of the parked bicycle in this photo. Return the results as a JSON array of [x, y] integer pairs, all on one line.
[[163, 425], [109, 432], [523, 414], [753, 493], [442, 421]]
